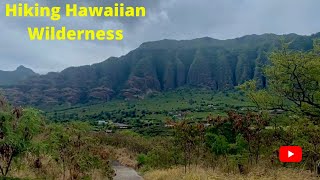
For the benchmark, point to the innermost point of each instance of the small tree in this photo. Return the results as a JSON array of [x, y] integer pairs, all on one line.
[[295, 76], [293, 82], [18, 127], [77, 151], [189, 137], [218, 144], [294, 86], [307, 135], [251, 126]]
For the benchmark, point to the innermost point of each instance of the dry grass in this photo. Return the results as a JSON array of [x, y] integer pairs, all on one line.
[[202, 174], [26, 168], [124, 156], [50, 169]]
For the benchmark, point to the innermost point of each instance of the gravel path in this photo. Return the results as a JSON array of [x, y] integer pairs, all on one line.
[[125, 173]]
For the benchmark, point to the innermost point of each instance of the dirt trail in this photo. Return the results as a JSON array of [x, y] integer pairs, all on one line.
[[125, 173]]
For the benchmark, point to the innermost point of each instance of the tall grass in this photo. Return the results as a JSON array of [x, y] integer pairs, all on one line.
[[258, 172]]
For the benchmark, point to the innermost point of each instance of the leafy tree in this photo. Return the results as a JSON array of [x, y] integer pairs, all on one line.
[[18, 127], [251, 126], [78, 152], [295, 76], [294, 86], [293, 82], [189, 137], [238, 136], [307, 135], [263, 99], [218, 144]]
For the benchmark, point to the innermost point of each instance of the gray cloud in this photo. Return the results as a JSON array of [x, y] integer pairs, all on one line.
[[170, 19]]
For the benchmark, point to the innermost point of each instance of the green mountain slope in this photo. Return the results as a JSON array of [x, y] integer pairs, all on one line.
[[159, 66], [8, 78]]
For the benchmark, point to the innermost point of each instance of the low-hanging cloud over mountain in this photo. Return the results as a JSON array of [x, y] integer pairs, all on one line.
[[166, 19]]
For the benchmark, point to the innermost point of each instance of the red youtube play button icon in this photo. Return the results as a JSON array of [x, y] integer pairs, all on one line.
[[291, 154]]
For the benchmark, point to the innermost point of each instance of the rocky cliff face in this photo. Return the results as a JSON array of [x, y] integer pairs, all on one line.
[[159, 66]]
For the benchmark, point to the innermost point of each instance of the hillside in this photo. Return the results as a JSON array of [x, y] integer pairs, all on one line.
[[159, 66], [14, 77]]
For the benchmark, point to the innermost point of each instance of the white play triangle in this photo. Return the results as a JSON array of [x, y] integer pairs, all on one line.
[[290, 154]]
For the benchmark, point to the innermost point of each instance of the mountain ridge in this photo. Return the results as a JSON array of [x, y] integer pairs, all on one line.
[[21, 73], [159, 66]]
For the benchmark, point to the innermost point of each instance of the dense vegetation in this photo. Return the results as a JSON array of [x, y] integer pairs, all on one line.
[[147, 116], [37, 149]]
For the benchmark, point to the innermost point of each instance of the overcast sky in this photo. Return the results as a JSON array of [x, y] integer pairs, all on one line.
[[166, 19]]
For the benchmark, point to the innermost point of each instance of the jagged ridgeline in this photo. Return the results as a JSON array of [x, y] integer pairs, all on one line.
[[159, 66]]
